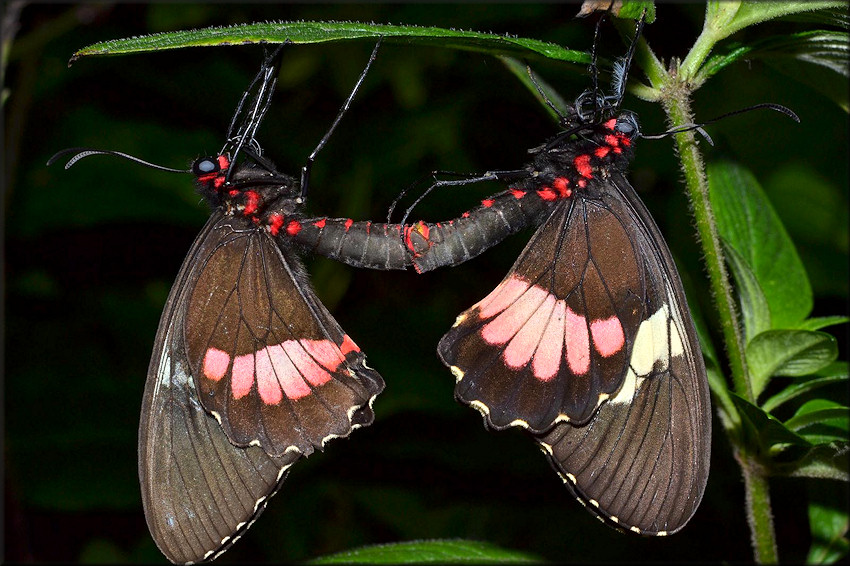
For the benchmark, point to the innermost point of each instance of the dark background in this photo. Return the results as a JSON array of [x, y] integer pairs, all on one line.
[[91, 254]]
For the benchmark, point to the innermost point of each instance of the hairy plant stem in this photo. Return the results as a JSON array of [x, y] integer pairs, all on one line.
[[759, 513], [676, 102]]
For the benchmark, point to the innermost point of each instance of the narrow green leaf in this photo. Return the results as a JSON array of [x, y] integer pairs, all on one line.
[[754, 308], [429, 551], [788, 353], [835, 372], [824, 48], [829, 523], [747, 222], [821, 411], [822, 322], [316, 32], [837, 17]]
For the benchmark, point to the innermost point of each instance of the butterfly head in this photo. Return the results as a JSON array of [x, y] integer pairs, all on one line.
[[253, 189]]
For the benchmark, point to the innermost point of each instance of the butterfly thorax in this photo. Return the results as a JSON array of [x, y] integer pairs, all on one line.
[[578, 157], [257, 193]]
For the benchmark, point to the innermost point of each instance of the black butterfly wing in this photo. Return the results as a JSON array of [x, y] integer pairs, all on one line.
[[590, 333], [642, 461], [208, 462]]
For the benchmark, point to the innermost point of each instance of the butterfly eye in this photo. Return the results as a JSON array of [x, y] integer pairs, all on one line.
[[627, 125], [205, 166]]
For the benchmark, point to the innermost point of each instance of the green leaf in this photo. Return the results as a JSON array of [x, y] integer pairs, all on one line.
[[763, 429], [835, 372], [747, 222], [820, 411], [822, 322], [788, 353], [429, 551], [754, 308], [316, 32], [721, 17], [829, 524]]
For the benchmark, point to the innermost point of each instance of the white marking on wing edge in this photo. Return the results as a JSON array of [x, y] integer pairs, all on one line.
[[256, 506], [571, 477], [662, 534], [460, 318], [593, 502], [457, 372], [615, 519], [635, 530], [216, 416], [545, 448]]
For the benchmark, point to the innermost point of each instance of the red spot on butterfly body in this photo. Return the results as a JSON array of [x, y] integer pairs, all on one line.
[[518, 194], [275, 222], [252, 204], [320, 224], [547, 194], [348, 224], [487, 203], [293, 227], [582, 164]]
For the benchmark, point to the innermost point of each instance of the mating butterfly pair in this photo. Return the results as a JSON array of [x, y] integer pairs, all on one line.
[[587, 343]]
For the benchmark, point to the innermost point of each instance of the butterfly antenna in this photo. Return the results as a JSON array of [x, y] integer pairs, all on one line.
[[82, 152], [699, 127], [305, 170]]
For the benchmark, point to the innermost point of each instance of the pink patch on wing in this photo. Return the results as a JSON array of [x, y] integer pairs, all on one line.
[[502, 296], [578, 342], [608, 338], [272, 363], [306, 365], [508, 322], [522, 346], [547, 358], [242, 375], [348, 345], [215, 363]]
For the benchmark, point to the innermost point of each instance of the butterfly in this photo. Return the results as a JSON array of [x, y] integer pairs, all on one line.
[[588, 342], [249, 370]]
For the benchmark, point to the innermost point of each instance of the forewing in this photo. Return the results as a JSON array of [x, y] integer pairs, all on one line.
[[552, 341], [267, 357]]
